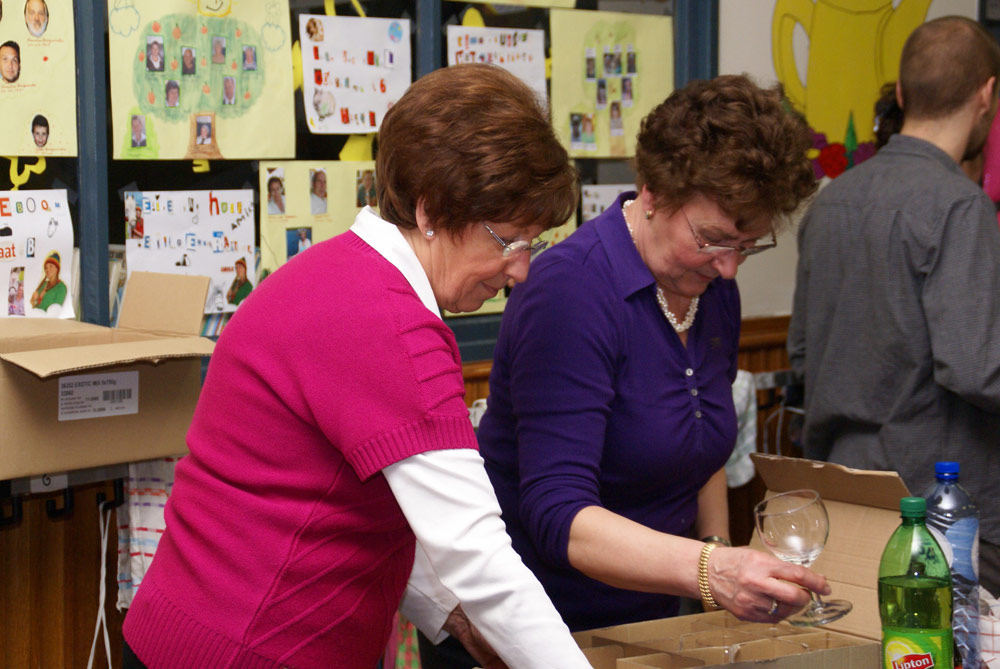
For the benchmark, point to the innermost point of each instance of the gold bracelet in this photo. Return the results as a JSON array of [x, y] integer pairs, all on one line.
[[706, 592], [716, 539]]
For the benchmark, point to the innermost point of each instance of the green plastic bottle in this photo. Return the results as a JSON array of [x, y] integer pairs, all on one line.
[[914, 595]]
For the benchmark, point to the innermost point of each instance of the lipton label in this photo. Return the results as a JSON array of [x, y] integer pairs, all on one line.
[[916, 650], [914, 661]]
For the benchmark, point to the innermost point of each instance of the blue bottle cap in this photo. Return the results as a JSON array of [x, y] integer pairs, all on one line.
[[946, 469]]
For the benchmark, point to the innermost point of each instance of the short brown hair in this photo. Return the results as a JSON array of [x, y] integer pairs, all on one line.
[[472, 144], [730, 141], [944, 62]]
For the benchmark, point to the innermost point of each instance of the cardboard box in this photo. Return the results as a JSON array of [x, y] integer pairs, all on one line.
[[77, 395], [864, 511]]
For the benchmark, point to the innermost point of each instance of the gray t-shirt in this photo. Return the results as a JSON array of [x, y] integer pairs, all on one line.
[[896, 322]]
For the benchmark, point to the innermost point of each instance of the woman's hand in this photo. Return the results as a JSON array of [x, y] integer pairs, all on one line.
[[748, 583], [459, 626]]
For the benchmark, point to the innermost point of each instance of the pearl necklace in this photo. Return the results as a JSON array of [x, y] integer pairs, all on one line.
[[661, 299]]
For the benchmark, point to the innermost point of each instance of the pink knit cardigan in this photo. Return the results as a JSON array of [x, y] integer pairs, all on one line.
[[284, 545]]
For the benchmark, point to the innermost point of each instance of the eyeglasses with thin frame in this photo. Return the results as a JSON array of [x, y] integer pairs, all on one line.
[[718, 249], [518, 245]]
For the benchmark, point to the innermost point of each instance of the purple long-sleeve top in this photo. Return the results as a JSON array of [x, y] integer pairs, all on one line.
[[594, 401]]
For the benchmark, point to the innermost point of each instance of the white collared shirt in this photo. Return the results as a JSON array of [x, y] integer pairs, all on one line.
[[464, 554]]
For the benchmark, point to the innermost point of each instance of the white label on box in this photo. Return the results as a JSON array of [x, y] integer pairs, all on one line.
[[98, 395], [48, 482]]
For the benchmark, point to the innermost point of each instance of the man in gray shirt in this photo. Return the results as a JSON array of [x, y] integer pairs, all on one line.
[[896, 320]]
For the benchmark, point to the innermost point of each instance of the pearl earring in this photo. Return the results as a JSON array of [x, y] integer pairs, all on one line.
[[649, 214], [430, 234]]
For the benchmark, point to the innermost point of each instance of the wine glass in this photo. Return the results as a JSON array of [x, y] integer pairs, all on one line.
[[794, 526]]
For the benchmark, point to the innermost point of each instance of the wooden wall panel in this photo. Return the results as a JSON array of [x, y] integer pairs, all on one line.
[[49, 572]]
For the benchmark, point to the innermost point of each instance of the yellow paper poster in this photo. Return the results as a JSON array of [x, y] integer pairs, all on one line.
[[201, 79], [37, 78], [306, 202], [609, 70]]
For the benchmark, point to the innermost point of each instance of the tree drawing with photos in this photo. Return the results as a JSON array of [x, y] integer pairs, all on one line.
[[217, 64]]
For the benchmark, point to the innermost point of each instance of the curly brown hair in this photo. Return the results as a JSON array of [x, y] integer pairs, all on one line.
[[730, 141], [472, 144]]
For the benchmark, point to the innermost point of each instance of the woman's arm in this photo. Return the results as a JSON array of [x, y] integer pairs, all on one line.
[[451, 508], [713, 507], [742, 580]]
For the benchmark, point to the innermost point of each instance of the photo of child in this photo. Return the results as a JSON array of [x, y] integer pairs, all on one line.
[[365, 182], [203, 130], [575, 131], [587, 132], [15, 292], [616, 126]]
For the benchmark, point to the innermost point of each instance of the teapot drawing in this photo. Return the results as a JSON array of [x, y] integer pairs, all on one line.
[[854, 48]]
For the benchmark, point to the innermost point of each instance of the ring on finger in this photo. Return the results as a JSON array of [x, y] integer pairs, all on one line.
[[774, 607]]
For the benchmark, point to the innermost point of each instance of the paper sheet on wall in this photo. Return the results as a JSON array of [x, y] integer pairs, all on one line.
[[596, 198], [141, 522], [609, 69], [201, 80], [308, 202], [353, 70], [520, 52], [37, 79], [201, 232], [36, 253]]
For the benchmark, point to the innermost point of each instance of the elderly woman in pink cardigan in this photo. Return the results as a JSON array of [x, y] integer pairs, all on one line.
[[333, 474]]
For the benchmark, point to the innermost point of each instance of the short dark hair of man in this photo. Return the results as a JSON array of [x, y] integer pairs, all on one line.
[[944, 62]]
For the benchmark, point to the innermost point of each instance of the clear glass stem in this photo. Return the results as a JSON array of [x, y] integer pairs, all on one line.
[[815, 601]]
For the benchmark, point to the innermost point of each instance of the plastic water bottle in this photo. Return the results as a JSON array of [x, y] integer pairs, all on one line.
[[914, 595], [953, 518]]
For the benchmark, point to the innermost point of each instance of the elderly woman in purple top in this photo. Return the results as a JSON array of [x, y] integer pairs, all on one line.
[[610, 411]]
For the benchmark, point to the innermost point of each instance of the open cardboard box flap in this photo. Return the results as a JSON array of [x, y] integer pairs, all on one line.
[[864, 511], [165, 303], [58, 361], [161, 316]]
